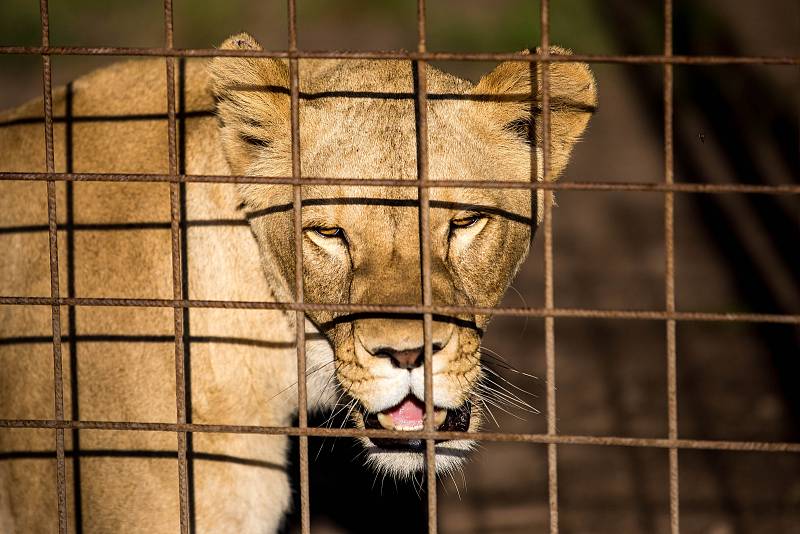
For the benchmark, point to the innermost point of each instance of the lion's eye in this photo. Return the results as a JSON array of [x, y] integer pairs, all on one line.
[[332, 231], [465, 222]]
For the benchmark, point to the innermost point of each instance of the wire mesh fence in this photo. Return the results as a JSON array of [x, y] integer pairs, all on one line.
[[670, 315]]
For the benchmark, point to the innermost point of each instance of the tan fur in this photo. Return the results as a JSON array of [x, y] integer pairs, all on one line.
[[356, 121]]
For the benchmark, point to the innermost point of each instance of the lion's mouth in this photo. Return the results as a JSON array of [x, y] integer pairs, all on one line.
[[409, 415]]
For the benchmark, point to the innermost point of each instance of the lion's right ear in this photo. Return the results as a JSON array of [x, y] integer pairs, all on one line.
[[252, 101]]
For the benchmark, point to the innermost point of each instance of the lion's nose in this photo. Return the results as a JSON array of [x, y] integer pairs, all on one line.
[[406, 359]]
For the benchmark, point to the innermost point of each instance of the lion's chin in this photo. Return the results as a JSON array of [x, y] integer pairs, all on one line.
[[403, 458], [403, 464]]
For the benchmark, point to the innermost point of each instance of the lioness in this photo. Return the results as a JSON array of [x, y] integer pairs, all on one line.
[[360, 245]]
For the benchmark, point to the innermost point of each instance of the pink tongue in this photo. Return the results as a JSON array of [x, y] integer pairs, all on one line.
[[407, 413]]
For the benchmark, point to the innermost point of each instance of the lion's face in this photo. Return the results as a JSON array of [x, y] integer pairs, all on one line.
[[362, 247], [361, 244]]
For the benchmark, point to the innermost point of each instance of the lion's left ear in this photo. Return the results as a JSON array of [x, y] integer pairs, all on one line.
[[252, 100], [506, 98]]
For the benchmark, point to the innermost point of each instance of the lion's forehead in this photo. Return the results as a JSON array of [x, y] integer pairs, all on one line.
[[362, 77], [377, 138], [360, 119]]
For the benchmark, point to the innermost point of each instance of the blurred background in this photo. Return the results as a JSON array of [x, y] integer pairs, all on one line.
[[734, 253]]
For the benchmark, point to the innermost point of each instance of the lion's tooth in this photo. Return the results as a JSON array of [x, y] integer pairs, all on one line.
[[386, 421], [438, 417]]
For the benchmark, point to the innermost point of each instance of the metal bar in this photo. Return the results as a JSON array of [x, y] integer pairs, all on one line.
[[503, 437], [547, 221], [574, 313], [300, 334], [177, 274], [644, 187], [55, 310], [399, 54], [669, 274], [421, 93]]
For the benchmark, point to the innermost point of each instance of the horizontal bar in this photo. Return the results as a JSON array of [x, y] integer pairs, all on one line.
[[577, 313], [657, 187], [399, 54], [562, 439]]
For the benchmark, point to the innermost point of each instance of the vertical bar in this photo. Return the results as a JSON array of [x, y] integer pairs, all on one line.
[[421, 92], [300, 333], [549, 322], [177, 273], [669, 274], [52, 226], [187, 335], [72, 323]]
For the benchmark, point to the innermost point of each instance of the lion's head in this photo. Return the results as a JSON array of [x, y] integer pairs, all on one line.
[[361, 244]]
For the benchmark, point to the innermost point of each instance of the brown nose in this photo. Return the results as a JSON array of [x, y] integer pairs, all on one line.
[[406, 359]]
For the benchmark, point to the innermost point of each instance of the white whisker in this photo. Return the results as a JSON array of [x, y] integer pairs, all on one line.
[[509, 394], [502, 398], [490, 413], [507, 381]]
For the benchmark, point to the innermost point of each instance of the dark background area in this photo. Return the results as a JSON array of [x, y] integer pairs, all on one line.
[[734, 253]]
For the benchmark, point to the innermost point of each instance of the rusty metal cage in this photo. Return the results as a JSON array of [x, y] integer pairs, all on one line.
[[672, 444]]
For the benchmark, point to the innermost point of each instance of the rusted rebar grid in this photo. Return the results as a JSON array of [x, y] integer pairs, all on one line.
[[644, 187], [55, 310], [177, 276], [669, 275], [400, 54], [426, 310]]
